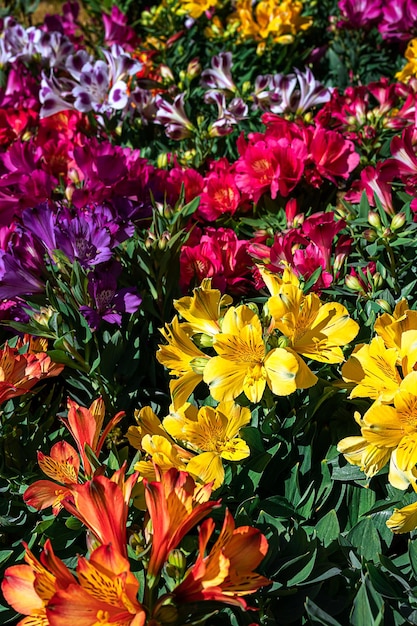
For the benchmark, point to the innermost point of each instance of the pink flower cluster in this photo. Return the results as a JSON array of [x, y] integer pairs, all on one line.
[[277, 160], [216, 253], [305, 246], [395, 19]]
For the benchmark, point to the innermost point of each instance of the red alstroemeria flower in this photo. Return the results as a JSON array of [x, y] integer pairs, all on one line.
[[85, 426], [20, 372], [101, 504], [175, 505]]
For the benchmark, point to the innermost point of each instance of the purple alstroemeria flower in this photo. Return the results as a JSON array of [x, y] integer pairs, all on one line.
[[173, 117], [15, 279], [108, 303], [291, 93], [219, 76], [40, 221], [117, 31], [87, 237], [84, 240], [228, 114]]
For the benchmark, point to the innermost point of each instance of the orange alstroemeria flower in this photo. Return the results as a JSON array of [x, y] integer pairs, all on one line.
[[20, 372], [226, 572], [106, 593], [63, 466], [102, 505], [175, 505], [85, 426], [29, 588]]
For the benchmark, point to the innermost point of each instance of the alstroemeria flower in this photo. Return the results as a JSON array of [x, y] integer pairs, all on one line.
[[29, 588], [212, 434], [312, 328], [175, 505], [244, 364], [184, 359], [62, 465], [203, 309], [106, 593], [373, 368], [101, 504], [20, 372], [225, 573]]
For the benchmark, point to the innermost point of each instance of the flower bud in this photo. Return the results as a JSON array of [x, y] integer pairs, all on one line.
[[374, 219], [43, 316], [176, 564], [193, 69], [162, 160], [386, 233], [377, 280], [398, 221], [370, 234], [384, 305], [353, 283]]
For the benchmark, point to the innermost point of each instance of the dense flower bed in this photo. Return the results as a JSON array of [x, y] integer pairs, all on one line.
[[208, 362]]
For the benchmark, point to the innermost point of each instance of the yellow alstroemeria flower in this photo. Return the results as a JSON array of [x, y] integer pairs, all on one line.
[[373, 368], [386, 430], [410, 69], [244, 365], [195, 8], [212, 433], [391, 327], [403, 520], [184, 359], [150, 437], [203, 309], [311, 328], [357, 451]]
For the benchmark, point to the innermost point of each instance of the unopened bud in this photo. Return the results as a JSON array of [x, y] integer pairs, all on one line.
[[44, 315], [162, 160], [374, 219], [384, 305], [166, 73], [398, 221], [370, 234], [193, 69], [377, 280], [386, 233], [353, 283], [176, 564]]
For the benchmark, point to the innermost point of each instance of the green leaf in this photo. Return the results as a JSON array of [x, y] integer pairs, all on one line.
[[304, 572], [4, 555], [364, 537], [318, 616], [368, 607], [328, 528]]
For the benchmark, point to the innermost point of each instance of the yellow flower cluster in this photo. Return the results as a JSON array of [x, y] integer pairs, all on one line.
[[279, 21], [234, 351], [250, 353], [191, 439], [386, 371]]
